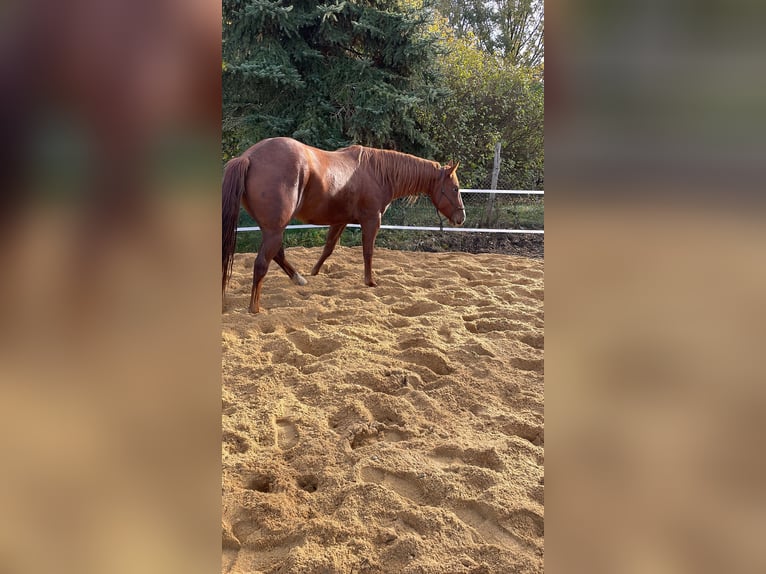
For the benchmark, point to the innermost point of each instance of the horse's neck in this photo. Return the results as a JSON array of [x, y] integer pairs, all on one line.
[[411, 176]]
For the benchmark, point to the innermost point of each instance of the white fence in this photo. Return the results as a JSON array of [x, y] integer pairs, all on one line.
[[451, 229]]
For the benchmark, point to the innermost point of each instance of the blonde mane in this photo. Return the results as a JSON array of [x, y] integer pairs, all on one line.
[[403, 174]]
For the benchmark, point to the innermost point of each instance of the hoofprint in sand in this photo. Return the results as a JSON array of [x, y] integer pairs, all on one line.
[[388, 429]]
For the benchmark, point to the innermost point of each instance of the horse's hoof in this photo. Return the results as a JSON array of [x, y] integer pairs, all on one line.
[[299, 280]]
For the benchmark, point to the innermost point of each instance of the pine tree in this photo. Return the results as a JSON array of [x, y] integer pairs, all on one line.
[[329, 75]]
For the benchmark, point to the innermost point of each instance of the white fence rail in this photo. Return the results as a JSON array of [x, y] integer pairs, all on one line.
[[506, 191], [451, 229]]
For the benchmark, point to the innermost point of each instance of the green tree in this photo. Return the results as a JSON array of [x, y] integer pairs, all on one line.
[[491, 99], [513, 29], [328, 74]]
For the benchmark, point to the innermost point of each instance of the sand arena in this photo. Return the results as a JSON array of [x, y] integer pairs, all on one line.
[[388, 429]]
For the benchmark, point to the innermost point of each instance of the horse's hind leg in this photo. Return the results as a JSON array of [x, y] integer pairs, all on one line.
[[270, 246], [296, 277], [333, 234]]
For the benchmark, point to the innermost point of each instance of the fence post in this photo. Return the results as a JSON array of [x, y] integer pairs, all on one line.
[[493, 185]]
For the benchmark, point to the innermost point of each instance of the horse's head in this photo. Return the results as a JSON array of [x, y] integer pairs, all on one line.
[[446, 195]]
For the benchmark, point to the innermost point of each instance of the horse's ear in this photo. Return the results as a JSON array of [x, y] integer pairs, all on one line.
[[453, 168]]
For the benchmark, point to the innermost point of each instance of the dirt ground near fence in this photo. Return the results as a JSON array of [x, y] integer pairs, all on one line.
[[509, 244], [391, 429]]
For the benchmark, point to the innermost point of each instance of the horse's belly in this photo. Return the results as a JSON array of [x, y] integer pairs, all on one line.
[[327, 213], [325, 219]]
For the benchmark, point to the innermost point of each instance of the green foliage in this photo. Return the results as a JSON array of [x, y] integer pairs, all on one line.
[[327, 74], [397, 74], [491, 100], [512, 29]]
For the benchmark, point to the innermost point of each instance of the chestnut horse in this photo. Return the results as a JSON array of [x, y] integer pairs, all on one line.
[[279, 179]]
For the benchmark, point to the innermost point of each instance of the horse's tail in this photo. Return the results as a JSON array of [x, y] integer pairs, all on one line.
[[233, 187]]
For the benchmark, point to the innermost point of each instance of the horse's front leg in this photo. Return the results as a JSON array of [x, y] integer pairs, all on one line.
[[370, 229], [333, 234]]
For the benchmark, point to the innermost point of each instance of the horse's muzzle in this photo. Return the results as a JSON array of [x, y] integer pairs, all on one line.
[[458, 218]]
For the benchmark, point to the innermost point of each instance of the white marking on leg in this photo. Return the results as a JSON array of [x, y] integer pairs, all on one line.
[[298, 279]]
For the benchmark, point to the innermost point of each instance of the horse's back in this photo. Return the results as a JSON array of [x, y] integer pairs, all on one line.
[[290, 179]]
